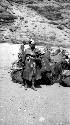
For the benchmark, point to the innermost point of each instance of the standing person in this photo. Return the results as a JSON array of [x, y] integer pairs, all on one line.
[[24, 52], [46, 68], [32, 50], [27, 70]]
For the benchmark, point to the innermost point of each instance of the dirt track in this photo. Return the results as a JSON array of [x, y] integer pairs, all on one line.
[[49, 105]]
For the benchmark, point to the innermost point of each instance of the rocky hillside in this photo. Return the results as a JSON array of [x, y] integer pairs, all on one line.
[[43, 20], [6, 14], [57, 11]]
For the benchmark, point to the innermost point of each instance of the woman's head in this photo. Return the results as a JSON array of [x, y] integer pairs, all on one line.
[[32, 44]]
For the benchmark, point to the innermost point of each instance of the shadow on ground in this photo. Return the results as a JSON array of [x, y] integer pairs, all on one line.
[[17, 78]]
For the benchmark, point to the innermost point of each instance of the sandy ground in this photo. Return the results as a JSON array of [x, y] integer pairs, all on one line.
[[49, 105]]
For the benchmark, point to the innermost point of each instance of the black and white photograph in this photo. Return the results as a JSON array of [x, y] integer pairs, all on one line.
[[34, 62]]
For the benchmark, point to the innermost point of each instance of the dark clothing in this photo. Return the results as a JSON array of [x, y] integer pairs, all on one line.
[[45, 64], [28, 69], [42, 61], [22, 55]]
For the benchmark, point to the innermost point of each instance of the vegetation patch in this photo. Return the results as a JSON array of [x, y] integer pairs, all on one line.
[[50, 12]]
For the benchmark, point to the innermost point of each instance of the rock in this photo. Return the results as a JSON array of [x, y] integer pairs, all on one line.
[[60, 27], [7, 16], [66, 81], [5, 11], [26, 21], [16, 76]]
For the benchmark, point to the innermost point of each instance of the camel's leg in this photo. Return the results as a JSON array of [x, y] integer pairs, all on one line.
[[33, 87], [25, 84]]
